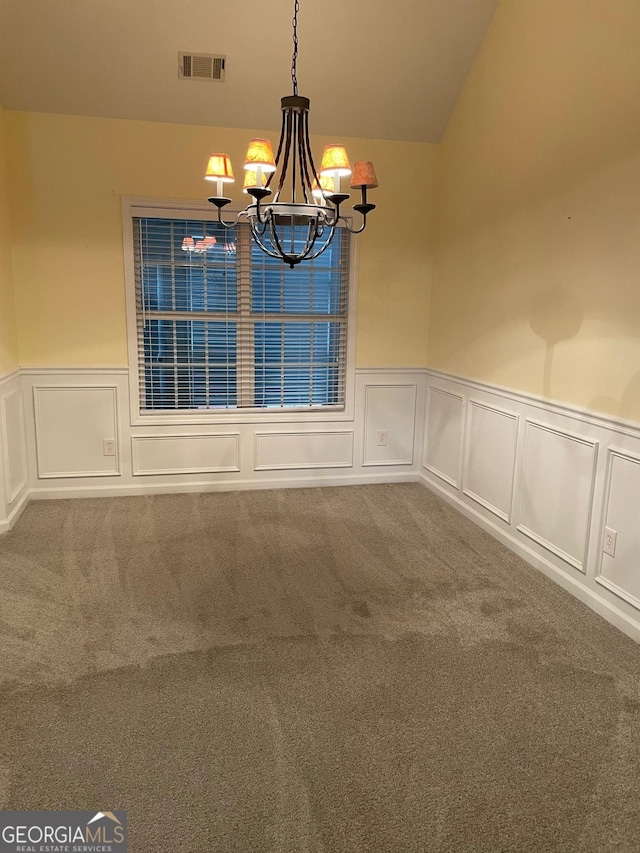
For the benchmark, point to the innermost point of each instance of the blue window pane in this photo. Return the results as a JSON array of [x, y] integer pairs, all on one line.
[[177, 280], [190, 364], [314, 287], [190, 265], [296, 363]]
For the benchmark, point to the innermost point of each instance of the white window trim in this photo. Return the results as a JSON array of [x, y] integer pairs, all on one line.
[[166, 208]]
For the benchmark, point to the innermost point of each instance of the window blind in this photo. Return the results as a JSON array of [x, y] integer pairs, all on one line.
[[224, 326]]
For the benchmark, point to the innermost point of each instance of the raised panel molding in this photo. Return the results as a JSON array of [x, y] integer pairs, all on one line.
[[282, 451], [490, 457], [621, 574], [392, 408], [558, 474], [15, 445], [185, 454], [71, 423], [443, 435]]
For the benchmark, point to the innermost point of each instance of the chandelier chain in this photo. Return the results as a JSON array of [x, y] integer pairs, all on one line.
[[294, 58]]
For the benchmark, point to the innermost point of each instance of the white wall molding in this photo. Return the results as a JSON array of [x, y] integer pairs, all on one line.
[[607, 608], [71, 423], [445, 417], [558, 478], [303, 449], [74, 371], [192, 453], [9, 378], [491, 447], [14, 462], [452, 434], [546, 404], [12, 426], [419, 372], [389, 408], [6, 524], [70, 411], [620, 574], [569, 472], [182, 486]]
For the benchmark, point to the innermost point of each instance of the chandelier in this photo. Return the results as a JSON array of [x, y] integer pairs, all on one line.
[[298, 224]]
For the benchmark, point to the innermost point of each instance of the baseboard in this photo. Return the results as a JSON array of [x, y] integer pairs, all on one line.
[[8, 523], [111, 491], [587, 596]]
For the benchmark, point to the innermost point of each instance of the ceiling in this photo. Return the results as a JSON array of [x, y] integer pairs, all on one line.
[[372, 68]]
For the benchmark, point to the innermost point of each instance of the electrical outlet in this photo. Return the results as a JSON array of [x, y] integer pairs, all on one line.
[[109, 447], [609, 543], [382, 438]]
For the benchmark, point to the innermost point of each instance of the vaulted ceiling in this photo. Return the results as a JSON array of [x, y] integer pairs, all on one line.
[[372, 68]]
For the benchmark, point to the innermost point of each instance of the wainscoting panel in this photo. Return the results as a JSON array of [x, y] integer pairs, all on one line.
[[621, 573], [490, 457], [570, 472], [278, 451], [557, 490], [390, 409], [443, 435], [15, 446], [185, 454], [71, 424], [542, 477]]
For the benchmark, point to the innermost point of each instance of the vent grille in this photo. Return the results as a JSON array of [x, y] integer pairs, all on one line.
[[201, 66]]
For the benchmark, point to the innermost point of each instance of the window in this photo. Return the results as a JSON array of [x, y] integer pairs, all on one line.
[[221, 326]]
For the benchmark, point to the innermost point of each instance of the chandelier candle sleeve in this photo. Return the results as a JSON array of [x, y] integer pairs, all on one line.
[[326, 187], [251, 179]]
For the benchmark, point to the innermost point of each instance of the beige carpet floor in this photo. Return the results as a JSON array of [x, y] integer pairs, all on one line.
[[353, 669]]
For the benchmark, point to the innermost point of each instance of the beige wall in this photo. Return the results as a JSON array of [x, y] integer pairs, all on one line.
[[537, 271], [68, 174], [8, 332]]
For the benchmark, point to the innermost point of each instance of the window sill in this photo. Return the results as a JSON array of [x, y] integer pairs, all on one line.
[[186, 417]]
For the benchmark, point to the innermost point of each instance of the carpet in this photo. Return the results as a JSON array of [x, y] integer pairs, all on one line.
[[334, 669]]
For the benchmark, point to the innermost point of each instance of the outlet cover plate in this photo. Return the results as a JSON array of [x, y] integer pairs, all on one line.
[[609, 541]]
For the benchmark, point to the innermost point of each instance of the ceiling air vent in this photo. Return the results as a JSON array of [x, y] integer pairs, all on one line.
[[201, 66]]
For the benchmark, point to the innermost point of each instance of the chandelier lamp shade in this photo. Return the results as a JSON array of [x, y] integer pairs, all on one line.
[[296, 207]]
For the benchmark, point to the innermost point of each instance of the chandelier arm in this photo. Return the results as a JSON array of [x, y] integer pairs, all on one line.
[[220, 203], [263, 247], [309, 151], [312, 236], [294, 145], [273, 233], [285, 163], [261, 221], [355, 230], [335, 210], [293, 258], [282, 135], [324, 247], [364, 209], [303, 149]]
